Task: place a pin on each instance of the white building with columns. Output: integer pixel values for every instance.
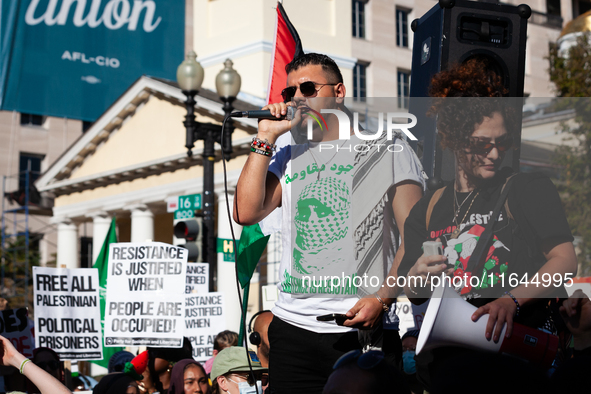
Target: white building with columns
(130, 162)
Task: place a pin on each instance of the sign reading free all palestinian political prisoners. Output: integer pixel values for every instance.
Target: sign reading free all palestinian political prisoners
(67, 312)
(145, 295)
(204, 319)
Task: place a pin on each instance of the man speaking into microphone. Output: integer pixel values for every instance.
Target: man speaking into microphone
(338, 207)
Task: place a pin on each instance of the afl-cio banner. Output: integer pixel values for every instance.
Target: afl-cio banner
(75, 58)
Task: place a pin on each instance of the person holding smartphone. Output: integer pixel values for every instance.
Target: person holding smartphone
(531, 237)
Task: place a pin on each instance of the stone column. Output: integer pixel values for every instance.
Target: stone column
(226, 274)
(67, 244)
(566, 11)
(142, 223)
(101, 222)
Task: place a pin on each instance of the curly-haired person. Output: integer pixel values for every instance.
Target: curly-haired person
(531, 237)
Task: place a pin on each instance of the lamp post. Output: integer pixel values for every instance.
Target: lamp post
(227, 85)
(190, 77)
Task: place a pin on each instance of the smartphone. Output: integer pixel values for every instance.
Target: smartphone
(431, 248)
(338, 317)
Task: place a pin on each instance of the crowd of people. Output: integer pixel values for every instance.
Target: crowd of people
(500, 225)
(237, 370)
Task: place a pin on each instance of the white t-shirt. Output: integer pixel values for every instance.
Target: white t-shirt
(317, 235)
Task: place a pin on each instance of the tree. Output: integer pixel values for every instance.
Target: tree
(571, 74)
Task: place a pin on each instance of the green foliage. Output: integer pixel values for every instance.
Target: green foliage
(14, 255)
(13, 258)
(571, 74)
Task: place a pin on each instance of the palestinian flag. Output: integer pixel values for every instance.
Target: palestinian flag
(286, 47)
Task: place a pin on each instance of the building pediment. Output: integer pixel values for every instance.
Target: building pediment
(140, 135)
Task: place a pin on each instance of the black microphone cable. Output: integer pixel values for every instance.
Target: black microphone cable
(229, 212)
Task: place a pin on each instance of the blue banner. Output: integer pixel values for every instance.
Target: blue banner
(74, 58)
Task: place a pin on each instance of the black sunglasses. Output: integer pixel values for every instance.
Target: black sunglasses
(480, 147)
(366, 360)
(307, 88)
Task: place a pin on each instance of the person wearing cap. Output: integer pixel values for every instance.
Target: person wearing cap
(231, 372)
(126, 381)
(118, 360)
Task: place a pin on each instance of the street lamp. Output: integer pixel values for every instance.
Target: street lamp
(227, 84)
(190, 77)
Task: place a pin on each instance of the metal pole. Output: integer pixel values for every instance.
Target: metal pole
(226, 140)
(27, 197)
(189, 122)
(4, 244)
(209, 238)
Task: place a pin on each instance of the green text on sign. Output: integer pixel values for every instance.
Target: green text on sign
(190, 201)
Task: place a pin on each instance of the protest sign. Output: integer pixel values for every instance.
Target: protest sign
(145, 295)
(197, 278)
(204, 319)
(67, 313)
(17, 328)
(411, 316)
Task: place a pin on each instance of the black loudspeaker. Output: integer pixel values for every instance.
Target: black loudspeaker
(452, 32)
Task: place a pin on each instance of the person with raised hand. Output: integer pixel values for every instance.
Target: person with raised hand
(47, 384)
(344, 200)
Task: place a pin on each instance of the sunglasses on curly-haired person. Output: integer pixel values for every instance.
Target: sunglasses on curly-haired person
(307, 88)
(483, 147)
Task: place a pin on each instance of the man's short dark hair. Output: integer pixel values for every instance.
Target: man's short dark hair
(316, 59)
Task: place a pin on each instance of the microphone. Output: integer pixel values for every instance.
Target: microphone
(263, 114)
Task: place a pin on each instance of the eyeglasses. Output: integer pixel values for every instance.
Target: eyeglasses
(482, 147)
(307, 88)
(366, 360)
(245, 377)
(264, 378)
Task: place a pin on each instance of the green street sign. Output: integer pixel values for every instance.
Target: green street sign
(190, 201)
(184, 214)
(226, 246)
